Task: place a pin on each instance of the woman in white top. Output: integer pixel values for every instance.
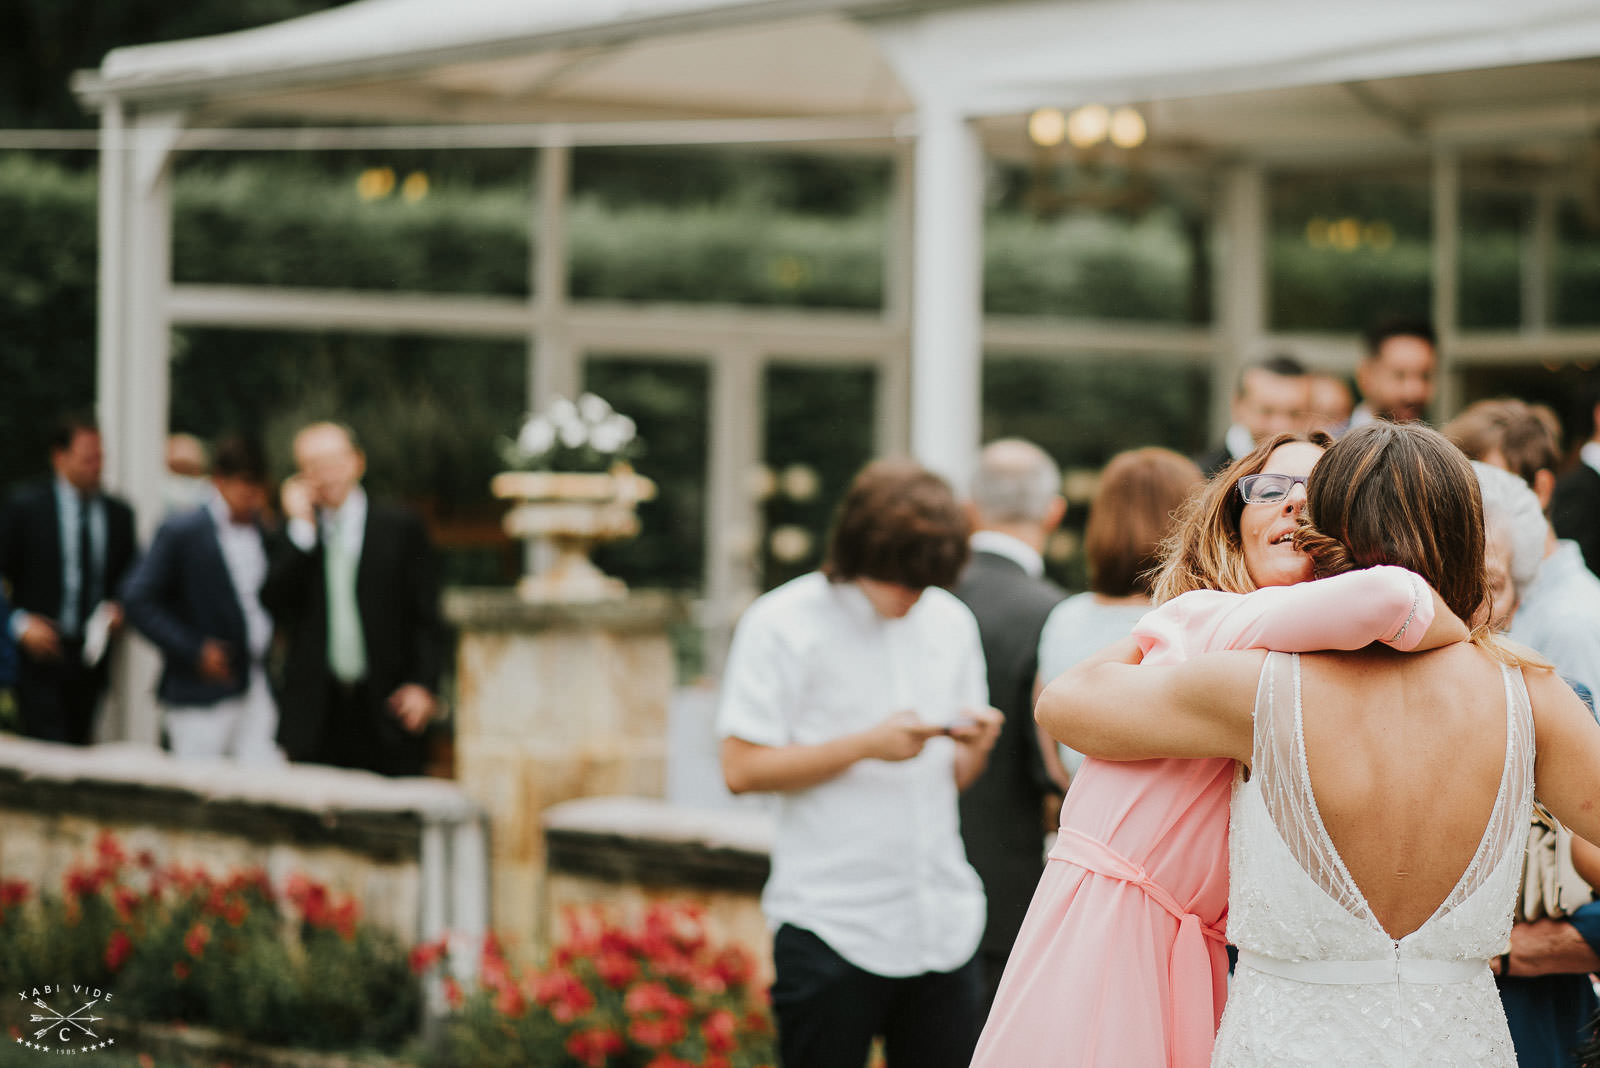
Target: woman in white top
(1377, 835)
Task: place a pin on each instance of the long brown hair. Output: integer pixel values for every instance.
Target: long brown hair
(1205, 551)
(1401, 494)
(1131, 516)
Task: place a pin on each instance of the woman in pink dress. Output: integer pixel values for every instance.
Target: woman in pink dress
(1120, 962)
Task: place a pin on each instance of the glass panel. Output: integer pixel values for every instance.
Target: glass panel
(429, 414)
(1576, 267)
(668, 401)
(1559, 385)
(1081, 242)
(411, 221)
(699, 225)
(1084, 410)
(820, 423)
(1494, 229)
(1346, 250)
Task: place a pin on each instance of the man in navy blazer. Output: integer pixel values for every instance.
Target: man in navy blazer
(65, 546)
(196, 595)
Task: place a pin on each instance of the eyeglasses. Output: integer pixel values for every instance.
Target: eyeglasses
(1268, 488)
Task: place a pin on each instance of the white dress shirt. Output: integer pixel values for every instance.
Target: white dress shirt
(246, 560)
(1023, 555)
(870, 861)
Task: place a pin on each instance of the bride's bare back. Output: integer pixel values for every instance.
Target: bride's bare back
(1406, 753)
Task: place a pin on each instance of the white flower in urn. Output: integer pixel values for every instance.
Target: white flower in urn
(586, 436)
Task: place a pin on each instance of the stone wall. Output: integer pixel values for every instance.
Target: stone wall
(411, 850)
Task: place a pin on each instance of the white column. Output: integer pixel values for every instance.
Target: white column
(1241, 285)
(733, 524)
(891, 432)
(1446, 277)
(553, 367)
(1538, 249)
(947, 290)
(133, 360)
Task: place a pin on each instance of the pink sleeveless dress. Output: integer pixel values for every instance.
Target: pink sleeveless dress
(1120, 962)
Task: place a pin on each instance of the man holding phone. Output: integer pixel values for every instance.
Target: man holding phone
(857, 694)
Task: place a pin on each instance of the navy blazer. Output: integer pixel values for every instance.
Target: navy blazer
(179, 595)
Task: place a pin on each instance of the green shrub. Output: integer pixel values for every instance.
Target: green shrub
(297, 967)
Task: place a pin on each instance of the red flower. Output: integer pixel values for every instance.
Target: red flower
(654, 998)
(452, 992)
(616, 970)
(426, 955)
(195, 941)
(117, 949)
(656, 1032)
(180, 969)
(109, 851)
(563, 993)
(509, 1001)
(667, 1060)
(13, 892)
(720, 1030)
(593, 1045)
(733, 965)
(125, 900)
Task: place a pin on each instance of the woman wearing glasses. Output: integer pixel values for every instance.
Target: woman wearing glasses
(1379, 816)
(1121, 958)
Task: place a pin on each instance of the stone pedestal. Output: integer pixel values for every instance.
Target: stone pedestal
(555, 702)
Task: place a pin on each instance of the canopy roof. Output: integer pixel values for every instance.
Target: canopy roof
(1251, 77)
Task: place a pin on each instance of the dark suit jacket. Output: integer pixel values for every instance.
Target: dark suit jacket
(179, 595)
(397, 594)
(1002, 813)
(1575, 511)
(30, 548)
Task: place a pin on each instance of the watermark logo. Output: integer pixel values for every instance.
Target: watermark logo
(63, 1019)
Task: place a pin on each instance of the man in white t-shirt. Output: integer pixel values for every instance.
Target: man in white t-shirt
(857, 694)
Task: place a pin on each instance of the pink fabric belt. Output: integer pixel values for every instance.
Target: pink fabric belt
(1194, 1013)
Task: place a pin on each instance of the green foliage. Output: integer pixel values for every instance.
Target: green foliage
(178, 944)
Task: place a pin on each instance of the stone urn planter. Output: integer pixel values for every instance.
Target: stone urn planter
(572, 513)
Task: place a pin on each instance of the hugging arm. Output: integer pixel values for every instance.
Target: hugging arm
(1349, 611)
(1110, 706)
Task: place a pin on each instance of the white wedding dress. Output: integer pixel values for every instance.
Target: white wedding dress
(1319, 982)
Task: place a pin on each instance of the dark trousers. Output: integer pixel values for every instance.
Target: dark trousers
(57, 698)
(828, 1010)
(359, 731)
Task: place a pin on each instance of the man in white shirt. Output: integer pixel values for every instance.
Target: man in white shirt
(1271, 399)
(196, 595)
(857, 694)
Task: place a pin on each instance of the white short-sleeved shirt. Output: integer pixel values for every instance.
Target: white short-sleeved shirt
(1559, 615)
(870, 861)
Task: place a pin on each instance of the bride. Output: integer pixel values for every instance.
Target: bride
(1377, 836)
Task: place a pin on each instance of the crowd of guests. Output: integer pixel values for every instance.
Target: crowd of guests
(300, 628)
(865, 699)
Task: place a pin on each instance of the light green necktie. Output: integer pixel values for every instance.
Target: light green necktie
(347, 646)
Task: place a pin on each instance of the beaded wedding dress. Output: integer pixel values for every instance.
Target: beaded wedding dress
(1319, 981)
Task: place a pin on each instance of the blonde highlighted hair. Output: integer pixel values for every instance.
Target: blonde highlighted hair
(1205, 551)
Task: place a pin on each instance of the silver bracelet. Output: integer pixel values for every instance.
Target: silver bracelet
(1416, 596)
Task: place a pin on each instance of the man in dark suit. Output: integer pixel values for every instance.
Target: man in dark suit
(1272, 397)
(352, 585)
(1575, 504)
(64, 548)
(196, 595)
(1015, 505)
